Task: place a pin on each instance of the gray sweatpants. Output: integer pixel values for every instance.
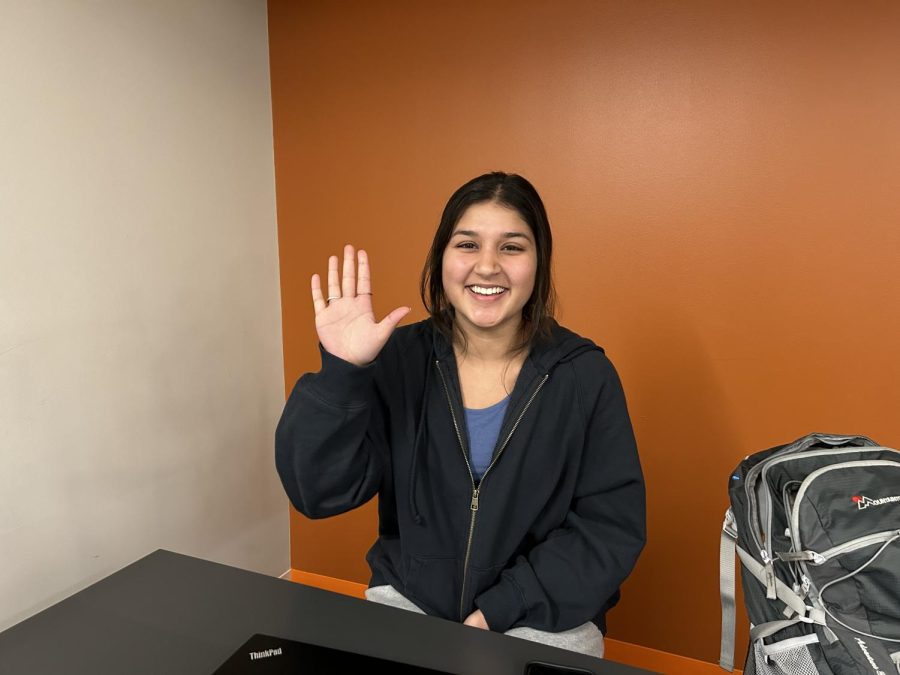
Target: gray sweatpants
(586, 639)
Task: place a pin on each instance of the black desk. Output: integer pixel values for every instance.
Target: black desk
(170, 613)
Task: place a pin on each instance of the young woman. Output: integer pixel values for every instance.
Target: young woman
(499, 444)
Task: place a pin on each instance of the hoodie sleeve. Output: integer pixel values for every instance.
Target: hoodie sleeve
(568, 578)
(330, 447)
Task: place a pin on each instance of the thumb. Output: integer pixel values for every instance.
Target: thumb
(391, 320)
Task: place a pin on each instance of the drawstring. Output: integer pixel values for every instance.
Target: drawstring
(421, 438)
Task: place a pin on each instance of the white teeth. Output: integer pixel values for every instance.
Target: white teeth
(481, 290)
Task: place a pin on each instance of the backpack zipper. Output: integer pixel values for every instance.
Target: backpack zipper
(476, 490)
(853, 545)
(756, 533)
(851, 575)
(799, 455)
(801, 493)
(750, 484)
(783, 456)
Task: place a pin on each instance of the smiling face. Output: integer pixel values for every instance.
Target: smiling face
(489, 268)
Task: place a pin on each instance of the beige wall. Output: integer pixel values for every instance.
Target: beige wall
(722, 180)
(140, 348)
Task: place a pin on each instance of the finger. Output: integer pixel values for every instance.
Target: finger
(334, 288)
(348, 283)
(364, 280)
(318, 301)
(389, 323)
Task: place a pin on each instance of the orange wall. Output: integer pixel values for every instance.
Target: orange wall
(722, 179)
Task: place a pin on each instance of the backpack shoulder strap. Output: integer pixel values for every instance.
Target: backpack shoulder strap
(727, 546)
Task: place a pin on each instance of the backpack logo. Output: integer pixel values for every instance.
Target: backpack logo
(865, 651)
(863, 502)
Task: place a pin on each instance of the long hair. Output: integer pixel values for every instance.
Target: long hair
(511, 191)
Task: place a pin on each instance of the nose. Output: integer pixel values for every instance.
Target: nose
(488, 263)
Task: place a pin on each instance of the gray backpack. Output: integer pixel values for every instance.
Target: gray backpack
(816, 525)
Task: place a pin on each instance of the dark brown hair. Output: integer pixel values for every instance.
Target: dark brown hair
(513, 192)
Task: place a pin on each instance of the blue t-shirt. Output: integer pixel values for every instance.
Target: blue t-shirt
(484, 428)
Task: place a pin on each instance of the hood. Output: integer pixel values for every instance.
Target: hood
(563, 346)
(546, 353)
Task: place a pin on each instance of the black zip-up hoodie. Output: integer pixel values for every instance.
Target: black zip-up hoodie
(547, 536)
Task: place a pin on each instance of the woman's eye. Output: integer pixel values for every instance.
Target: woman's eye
(512, 247)
(466, 244)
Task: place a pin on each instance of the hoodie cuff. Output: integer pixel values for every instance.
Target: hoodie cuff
(502, 604)
(342, 381)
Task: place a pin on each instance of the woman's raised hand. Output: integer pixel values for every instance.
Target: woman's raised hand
(345, 321)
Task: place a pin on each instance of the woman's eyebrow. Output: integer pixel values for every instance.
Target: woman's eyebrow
(506, 235)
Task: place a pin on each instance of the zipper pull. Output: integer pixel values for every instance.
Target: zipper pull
(474, 505)
(769, 570)
(771, 592)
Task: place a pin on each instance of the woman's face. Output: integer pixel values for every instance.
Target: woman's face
(489, 267)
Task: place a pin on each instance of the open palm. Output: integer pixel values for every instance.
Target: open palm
(345, 321)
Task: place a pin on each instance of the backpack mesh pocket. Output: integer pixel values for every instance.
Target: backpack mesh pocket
(786, 660)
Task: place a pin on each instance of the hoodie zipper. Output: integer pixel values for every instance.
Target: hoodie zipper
(476, 490)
